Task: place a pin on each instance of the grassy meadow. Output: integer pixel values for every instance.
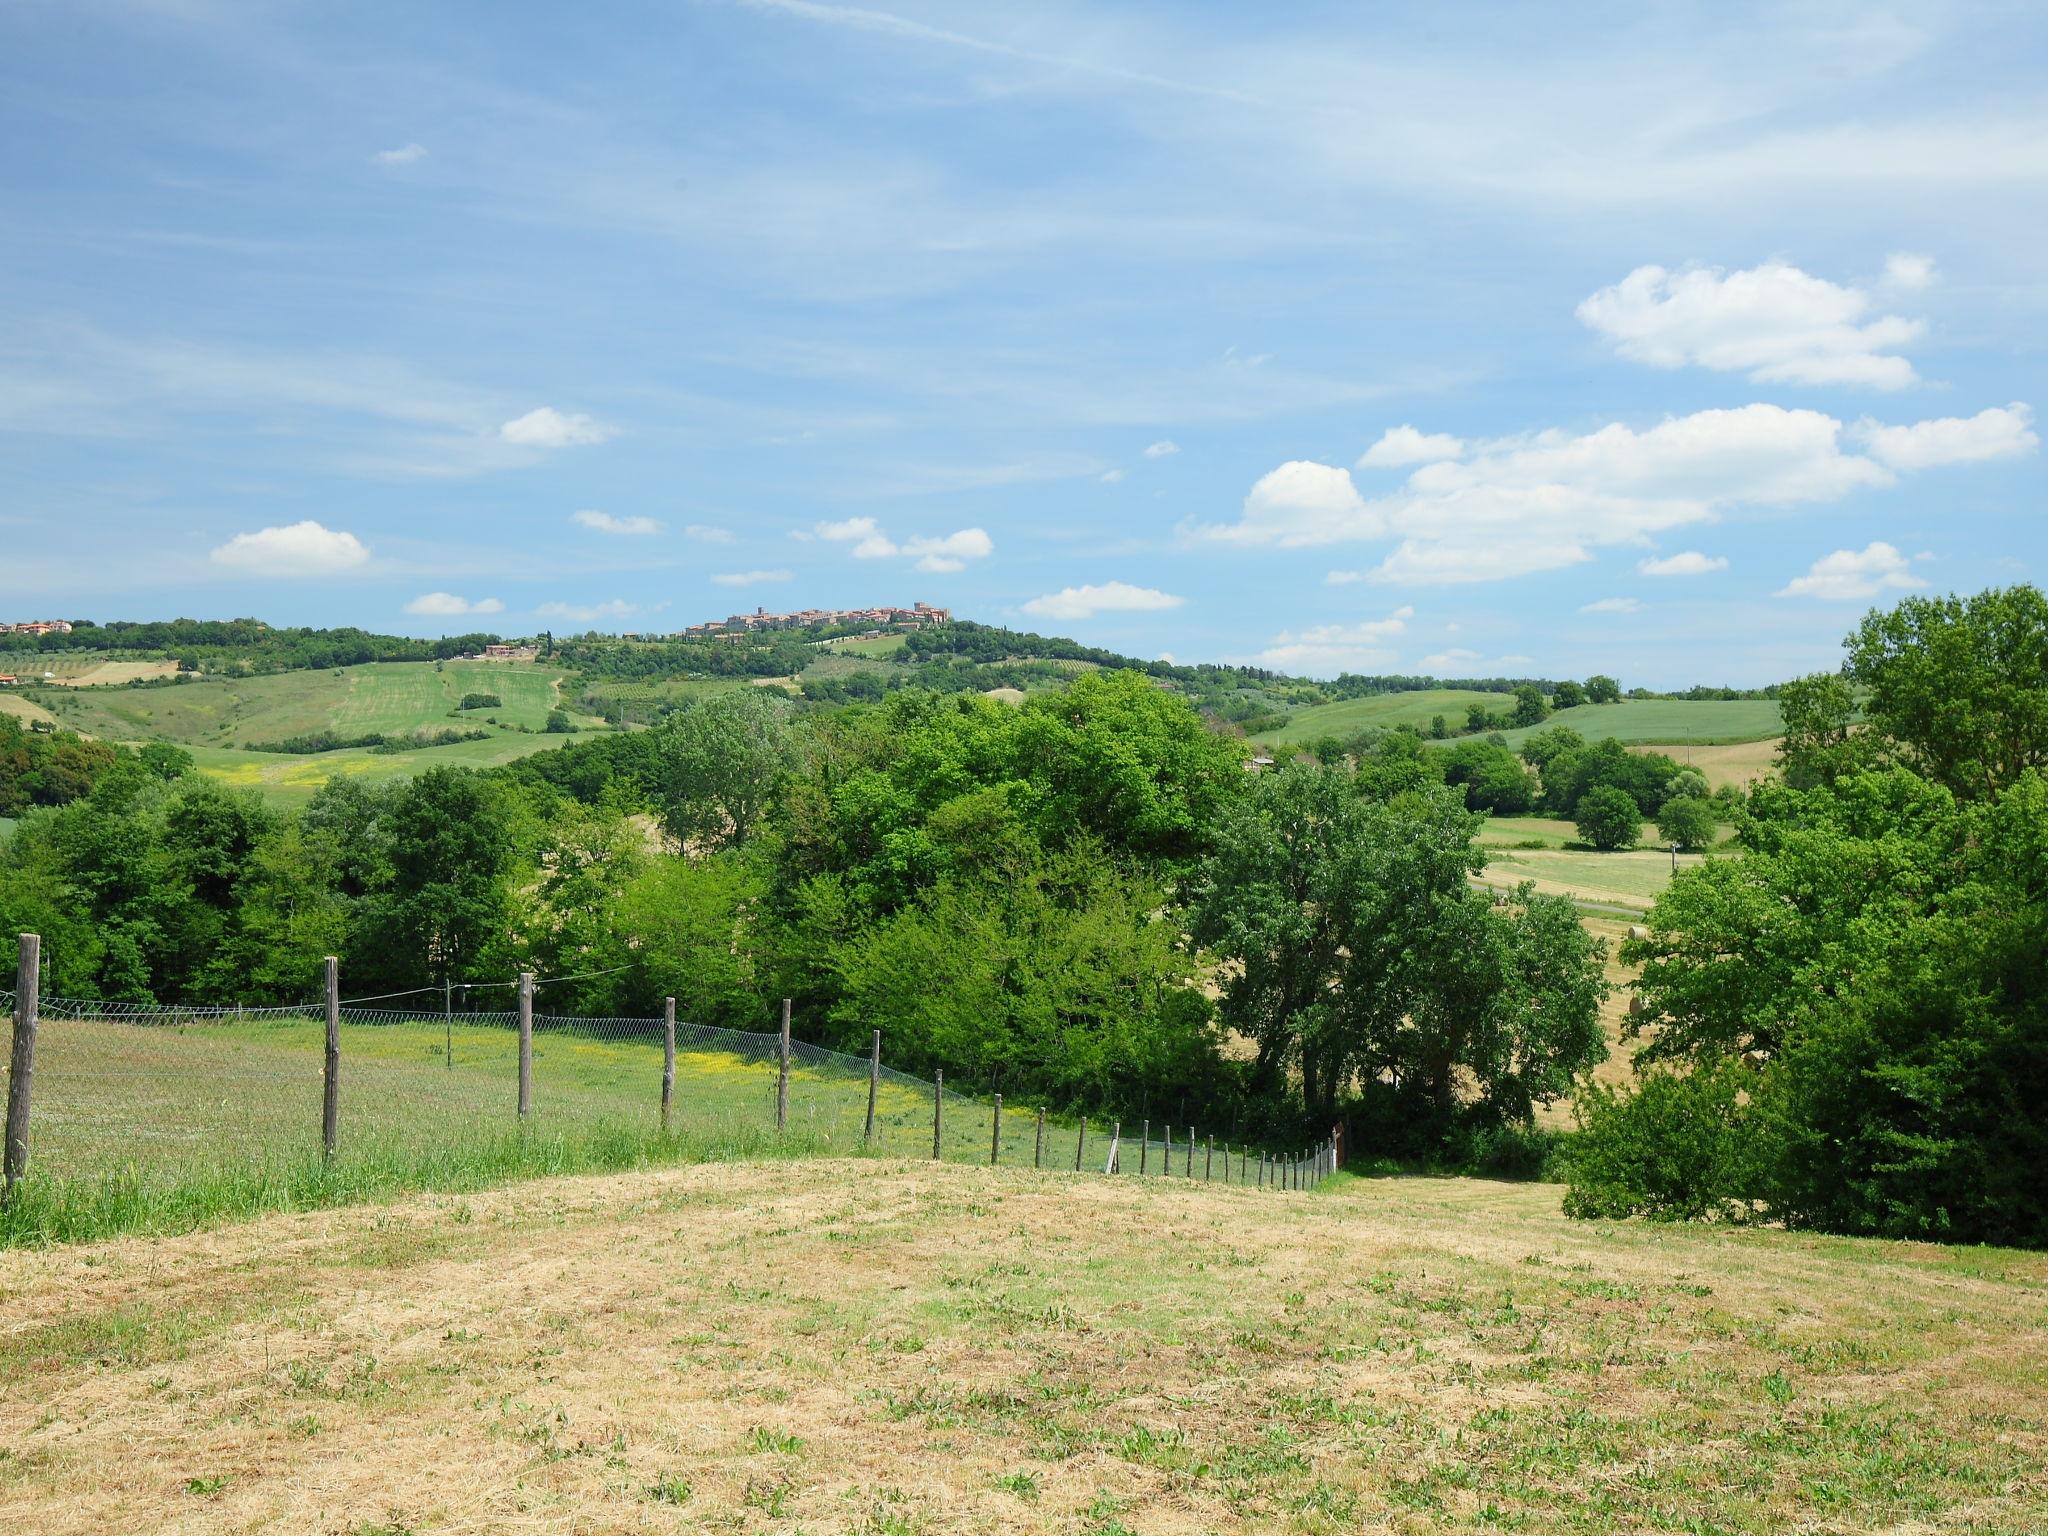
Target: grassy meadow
(887, 1348)
(160, 1127)
(1381, 710)
(1549, 852)
(1700, 722)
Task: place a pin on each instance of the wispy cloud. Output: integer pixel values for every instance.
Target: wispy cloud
(604, 522)
(405, 154)
(1109, 597)
(546, 427)
(749, 578)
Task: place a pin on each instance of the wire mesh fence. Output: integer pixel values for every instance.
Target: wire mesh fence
(160, 1102)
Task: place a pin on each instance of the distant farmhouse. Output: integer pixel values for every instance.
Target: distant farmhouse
(38, 627)
(916, 616)
(509, 653)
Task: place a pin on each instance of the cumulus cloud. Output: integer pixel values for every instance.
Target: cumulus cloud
(1909, 270)
(1773, 322)
(949, 552)
(405, 154)
(749, 578)
(448, 605)
(2002, 432)
(1403, 445)
(1848, 575)
(1541, 501)
(704, 533)
(294, 550)
(1326, 649)
(1109, 597)
(587, 613)
(547, 427)
(1613, 605)
(1165, 448)
(1686, 563)
(604, 522)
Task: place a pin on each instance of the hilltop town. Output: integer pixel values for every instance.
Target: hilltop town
(916, 616)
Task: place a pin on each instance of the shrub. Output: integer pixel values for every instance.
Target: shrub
(481, 701)
(559, 723)
(1609, 818)
(1679, 1147)
(1687, 822)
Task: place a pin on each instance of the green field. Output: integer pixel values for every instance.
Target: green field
(288, 781)
(877, 648)
(162, 1125)
(1704, 722)
(390, 697)
(1379, 710)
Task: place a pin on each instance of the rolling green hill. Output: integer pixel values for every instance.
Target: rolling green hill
(1701, 722)
(1379, 709)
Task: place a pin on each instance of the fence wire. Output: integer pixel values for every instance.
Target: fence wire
(167, 1095)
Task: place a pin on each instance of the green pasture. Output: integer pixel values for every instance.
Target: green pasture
(390, 697)
(1380, 710)
(1698, 722)
(876, 649)
(288, 781)
(163, 1125)
(1549, 852)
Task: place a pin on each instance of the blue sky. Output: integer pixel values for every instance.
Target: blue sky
(1663, 341)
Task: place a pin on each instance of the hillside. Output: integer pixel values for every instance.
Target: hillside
(886, 1347)
(1345, 717)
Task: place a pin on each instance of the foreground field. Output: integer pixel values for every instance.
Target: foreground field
(885, 1347)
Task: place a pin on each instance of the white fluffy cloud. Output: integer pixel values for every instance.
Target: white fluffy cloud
(547, 427)
(749, 578)
(294, 550)
(587, 613)
(1688, 562)
(1909, 270)
(704, 533)
(1541, 501)
(1404, 445)
(1165, 448)
(604, 522)
(1327, 649)
(950, 552)
(448, 605)
(1109, 597)
(1851, 574)
(1773, 322)
(1613, 605)
(2002, 432)
(405, 154)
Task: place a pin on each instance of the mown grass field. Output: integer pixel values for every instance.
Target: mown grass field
(1563, 865)
(288, 781)
(391, 697)
(1379, 710)
(82, 669)
(161, 1127)
(24, 709)
(893, 1349)
(1703, 722)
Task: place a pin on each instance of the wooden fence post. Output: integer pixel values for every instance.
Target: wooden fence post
(1167, 1161)
(330, 1093)
(1038, 1147)
(668, 1060)
(867, 1135)
(1190, 1170)
(782, 1076)
(525, 1044)
(938, 1100)
(995, 1133)
(1081, 1144)
(1116, 1143)
(448, 1021)
(21, 1068)
(1144, 1143)
(1337, 1147)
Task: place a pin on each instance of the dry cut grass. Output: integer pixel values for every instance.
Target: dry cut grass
(888, 1347)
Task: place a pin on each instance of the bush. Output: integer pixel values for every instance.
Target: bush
(1689, 823)
(481, 701)
(1609, 818)
(559, 723)
(1677, 1148)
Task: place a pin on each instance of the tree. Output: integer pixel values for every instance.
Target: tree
(1602, 689)
(1530, 709)
(720, 760)
(1437, 729)
(1569, 695)
(1687, 821)
(1609, 818)
(1819, 744)
(442, 900)
(1960, 685)
(1477, 717)
(1493, 777)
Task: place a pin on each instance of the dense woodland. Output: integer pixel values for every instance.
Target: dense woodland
(1090, 901)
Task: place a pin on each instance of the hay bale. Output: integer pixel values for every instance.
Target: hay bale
(1638, 931)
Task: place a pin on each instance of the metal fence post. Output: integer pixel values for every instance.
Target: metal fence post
(1038, 1147)
(867, 1135)
(995, 1133)
(938, 1106)
(330, 1095)
(448, 1022)
(525, 1044)
(782, 1075)
(21, 1070)
(668, 1060)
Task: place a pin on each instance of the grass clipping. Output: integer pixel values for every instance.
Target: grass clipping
(893, 1347)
